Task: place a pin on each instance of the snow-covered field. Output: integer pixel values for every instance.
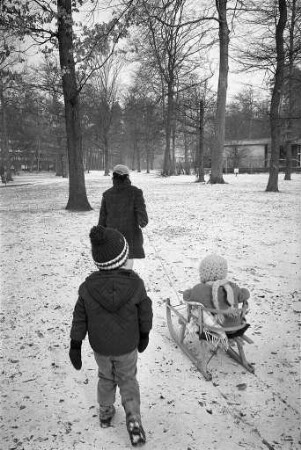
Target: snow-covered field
(45, 255)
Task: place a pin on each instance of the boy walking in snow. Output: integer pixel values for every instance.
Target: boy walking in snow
(115, 311)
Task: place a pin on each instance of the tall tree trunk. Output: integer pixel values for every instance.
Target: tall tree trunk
(288, 160)
(138, 159)
(38, 139)
(5, 162)
(272, 185)
(167, 169)
(134, 153)
(186, 162)
(60, 162)
(200, 156)
(147, 157)
(173, 146)
(106, 154)
(77, 190)
(220, 116)
(38, 153)
(288, 146)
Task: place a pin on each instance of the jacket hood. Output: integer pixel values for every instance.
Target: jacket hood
(110, 289)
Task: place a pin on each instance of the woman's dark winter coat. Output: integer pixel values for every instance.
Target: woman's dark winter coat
(123, 208)
(114, 309)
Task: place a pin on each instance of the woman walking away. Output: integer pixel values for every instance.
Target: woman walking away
(123, 208)
(115, 311)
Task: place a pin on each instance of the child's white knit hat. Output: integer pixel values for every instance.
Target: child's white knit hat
(213, 267)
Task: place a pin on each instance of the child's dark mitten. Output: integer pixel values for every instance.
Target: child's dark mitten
(75, 354)
(143, 342)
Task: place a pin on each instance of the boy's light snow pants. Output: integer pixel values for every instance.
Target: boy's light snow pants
(118, 371)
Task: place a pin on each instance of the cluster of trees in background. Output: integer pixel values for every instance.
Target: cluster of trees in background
(71, 109)
(129, 129)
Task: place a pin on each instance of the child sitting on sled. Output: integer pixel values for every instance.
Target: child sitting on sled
(217, 293)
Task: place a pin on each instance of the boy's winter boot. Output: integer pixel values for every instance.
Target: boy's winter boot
(106, 413)
(105, 423)
(136, 432)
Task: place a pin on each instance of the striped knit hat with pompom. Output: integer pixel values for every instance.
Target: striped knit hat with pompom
(110, 249)
(213, 267)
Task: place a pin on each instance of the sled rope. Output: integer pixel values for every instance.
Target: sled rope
(160, 259)
(214, 339)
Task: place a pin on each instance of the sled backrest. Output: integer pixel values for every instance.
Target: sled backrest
(216, 320)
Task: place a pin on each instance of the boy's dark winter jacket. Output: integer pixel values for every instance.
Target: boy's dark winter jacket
(114, 309)
(123, 208)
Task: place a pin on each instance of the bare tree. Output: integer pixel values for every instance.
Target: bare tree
(35, 18)
(8, 57)
(274, 48)
(193, 107)
(235, 156)
(48, 76)
(276, 97)
(220, 115)
(77, 190)
(293, 56)
(247, 116)
(173, 47)
(51, 22)
(106, 71)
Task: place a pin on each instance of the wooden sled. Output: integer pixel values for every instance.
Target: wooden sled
(193, 319)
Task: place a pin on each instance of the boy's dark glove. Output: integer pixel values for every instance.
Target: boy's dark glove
(75, 354)
(143, 342)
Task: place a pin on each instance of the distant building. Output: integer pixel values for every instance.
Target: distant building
(254, 154)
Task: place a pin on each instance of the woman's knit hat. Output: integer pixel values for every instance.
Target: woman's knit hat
(213, 267)
(121, 169)
(110, 249)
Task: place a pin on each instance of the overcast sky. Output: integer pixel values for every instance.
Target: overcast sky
(236, 81)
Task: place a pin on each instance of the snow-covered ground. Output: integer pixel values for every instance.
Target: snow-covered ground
(45, 255)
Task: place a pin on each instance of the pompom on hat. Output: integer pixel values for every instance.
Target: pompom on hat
(212, 268)
(121, 169)
(110, 249)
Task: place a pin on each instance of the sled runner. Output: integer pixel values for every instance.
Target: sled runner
(192, 325)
